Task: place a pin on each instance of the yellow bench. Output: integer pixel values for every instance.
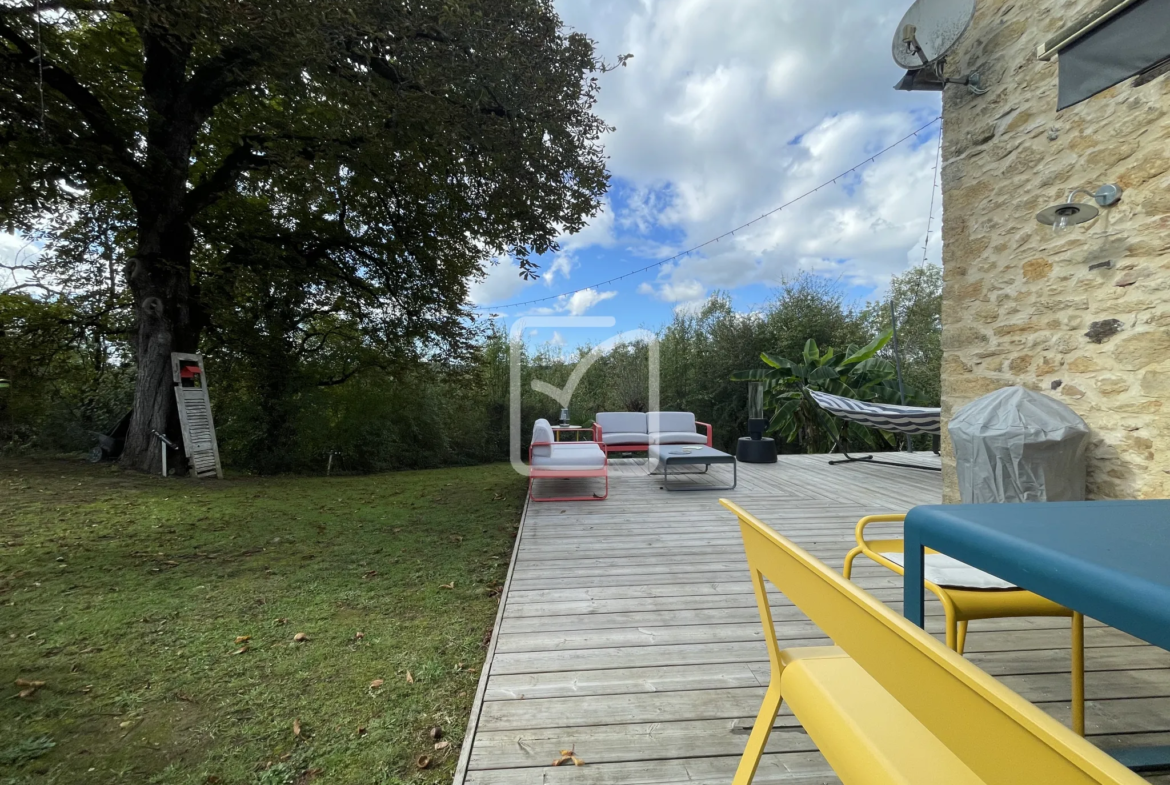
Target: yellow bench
(889, 703)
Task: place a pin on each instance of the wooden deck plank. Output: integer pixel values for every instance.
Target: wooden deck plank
(628, 630)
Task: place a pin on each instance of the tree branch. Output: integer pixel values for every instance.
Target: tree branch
(105, 130)
(214, 185)
(345, 377)
(54, 5)
(218, 79)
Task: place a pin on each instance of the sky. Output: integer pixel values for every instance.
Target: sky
(726, 111)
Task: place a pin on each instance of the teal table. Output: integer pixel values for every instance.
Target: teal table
(1108, 560)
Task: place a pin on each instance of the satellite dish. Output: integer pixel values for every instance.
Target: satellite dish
(924, 38)
(929, 30)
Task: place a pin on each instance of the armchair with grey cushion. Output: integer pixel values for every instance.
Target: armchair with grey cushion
(552, 460)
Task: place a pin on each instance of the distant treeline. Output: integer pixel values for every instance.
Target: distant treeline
(276, 411)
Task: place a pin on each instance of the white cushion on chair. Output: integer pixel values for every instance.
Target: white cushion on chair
(678, 437)
(942, 570)
(571, 457)
(623, 438)
(541, 432)
(671, 422)
(622, 422)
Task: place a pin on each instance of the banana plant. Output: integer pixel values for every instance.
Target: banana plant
(857, 373)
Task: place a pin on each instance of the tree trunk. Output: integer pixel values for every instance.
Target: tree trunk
(160, 279)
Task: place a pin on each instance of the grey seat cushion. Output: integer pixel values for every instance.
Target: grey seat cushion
(678, 437)
(942, 570)
(571, 457)
(623, 438)
(671, 422)
(621, 422)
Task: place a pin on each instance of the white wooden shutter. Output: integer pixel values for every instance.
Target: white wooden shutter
(195, 415)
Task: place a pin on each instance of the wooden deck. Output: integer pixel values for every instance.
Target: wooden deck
(628, 632)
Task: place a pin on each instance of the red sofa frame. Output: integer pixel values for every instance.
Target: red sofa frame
(608, 448)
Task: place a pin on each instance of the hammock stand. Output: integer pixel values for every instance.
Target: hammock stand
(909, 420)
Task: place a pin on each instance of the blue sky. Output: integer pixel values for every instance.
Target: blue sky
(726, 111)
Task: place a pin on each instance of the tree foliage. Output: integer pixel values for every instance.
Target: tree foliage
(306, 179)
(917, 298)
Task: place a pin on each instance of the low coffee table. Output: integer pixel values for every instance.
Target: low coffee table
(668, 455)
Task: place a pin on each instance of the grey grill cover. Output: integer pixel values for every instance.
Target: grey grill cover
(1016, 445)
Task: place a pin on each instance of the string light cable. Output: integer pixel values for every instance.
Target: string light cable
(934, 185)
(729, 232)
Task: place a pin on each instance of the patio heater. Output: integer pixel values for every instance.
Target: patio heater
(756, 447)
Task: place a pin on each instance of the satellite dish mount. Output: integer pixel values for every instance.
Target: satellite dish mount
(925, 36)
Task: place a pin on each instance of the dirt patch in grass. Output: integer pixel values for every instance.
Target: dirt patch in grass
(161, 616)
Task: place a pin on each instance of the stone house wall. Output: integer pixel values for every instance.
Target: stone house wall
(1021, 304)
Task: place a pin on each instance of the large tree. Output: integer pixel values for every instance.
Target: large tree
(356, 161)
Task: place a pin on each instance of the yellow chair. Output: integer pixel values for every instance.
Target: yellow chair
(961, 605)
(889, 704)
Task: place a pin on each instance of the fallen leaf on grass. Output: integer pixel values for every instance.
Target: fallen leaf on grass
(27, 683)
(450, 585)
(26, 693)
(359, 636)
(297, 728)
(455, 538)
(369, 573)
(423, 761)
(409, 678)
(567, 756)
(243, 638)
(241, 650)
(376, 683)
(442, 745)
(300, 637)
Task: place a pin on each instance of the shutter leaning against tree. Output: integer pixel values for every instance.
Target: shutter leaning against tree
(195, 414)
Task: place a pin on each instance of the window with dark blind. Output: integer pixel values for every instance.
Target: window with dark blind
(1118, 40)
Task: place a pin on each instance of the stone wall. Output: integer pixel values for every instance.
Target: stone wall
(1021, 304)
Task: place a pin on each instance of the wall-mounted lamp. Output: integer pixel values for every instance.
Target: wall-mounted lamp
(1070, 213)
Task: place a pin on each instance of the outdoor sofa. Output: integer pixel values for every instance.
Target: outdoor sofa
(549, 459)
(636, 431)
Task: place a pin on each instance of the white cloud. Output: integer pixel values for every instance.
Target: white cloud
(500, 283)
(562, 265)
(557, 339)
(730, 109)
(673, 291)
(580, 302)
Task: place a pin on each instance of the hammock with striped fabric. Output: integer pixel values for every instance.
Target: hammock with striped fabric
(883, 416)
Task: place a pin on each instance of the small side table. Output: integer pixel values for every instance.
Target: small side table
(575, 430)
(750, 450)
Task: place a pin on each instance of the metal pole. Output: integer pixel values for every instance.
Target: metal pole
(163, 446)
(898, 363)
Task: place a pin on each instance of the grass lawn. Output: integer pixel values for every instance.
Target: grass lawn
(161, 617)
